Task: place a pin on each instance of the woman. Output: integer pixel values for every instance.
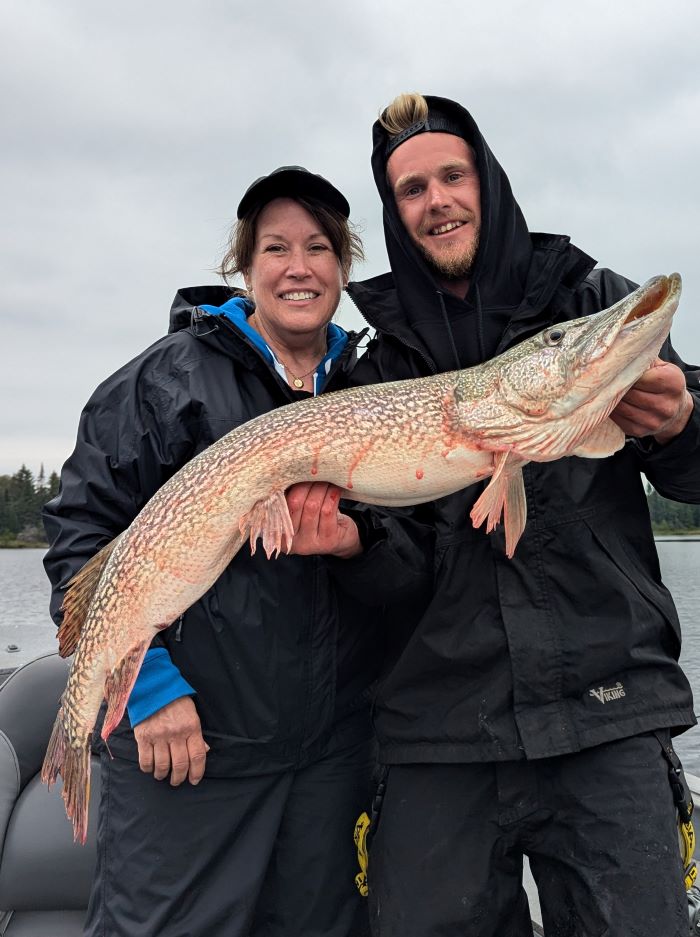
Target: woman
(253, 705)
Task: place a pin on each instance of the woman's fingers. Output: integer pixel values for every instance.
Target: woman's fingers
(170, 743)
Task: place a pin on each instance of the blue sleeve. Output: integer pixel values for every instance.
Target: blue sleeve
(159, 682)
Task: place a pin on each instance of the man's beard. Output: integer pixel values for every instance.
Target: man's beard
(454, 264)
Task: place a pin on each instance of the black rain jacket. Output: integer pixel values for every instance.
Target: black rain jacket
(575, 641)
(282, 653)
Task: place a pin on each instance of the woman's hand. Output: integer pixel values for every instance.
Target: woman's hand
(170, 742)
(319, 527)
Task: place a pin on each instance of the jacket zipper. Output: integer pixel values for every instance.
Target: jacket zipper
(400, 338)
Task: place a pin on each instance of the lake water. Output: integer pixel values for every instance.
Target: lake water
(25, 622)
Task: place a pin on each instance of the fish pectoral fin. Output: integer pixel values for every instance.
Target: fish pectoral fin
(269, 520)
(119, 684)
(504, 495)
(540, 441)
(605, 439)
(76, 601)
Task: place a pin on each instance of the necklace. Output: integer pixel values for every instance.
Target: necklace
(297, 379)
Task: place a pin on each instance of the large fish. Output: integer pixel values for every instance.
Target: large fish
(398, 443)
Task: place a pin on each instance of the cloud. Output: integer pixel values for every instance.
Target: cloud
(133, 129)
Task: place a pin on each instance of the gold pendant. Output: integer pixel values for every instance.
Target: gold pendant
(298, 382)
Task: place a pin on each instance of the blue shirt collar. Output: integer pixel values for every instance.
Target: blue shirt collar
(237, 309)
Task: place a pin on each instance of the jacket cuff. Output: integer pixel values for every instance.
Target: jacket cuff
(159, 682)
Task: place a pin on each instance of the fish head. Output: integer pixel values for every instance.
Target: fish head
(600, 356)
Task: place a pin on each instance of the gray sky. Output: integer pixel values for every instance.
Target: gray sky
(130, 131)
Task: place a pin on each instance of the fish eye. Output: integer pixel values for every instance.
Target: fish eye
(554, 336)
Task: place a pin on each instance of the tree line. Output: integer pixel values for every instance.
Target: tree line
(669, 517)
(22, 497)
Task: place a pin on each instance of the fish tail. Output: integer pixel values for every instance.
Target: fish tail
(72, 762)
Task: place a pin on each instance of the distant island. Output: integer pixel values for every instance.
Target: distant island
(22, 497)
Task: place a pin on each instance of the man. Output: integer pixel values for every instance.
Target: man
(495, 728)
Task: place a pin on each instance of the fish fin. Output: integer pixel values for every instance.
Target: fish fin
(514, 511)
(76, 601)
(549, 440)
(605, 439)
(504, 495)
(73, 764)
(269, 519)
(539, 441)
(119, 684)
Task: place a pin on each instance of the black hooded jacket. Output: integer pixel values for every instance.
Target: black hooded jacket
(282, 653)
(574, 641)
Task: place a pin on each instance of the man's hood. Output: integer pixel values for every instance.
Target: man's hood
(451, 332)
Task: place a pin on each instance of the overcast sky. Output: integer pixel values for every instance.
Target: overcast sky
(131, 129)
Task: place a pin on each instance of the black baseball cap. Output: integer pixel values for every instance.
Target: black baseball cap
(437, 121)
(290, 181)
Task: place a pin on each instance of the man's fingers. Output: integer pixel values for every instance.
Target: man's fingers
(662, 377)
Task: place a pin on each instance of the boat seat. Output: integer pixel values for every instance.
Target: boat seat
(44, 876)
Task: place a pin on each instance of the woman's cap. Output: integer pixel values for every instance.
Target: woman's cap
(291, 181)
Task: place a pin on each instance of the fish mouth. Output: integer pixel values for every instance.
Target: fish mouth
(659, 290)
(638, 320)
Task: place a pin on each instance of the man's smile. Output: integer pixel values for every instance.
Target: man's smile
(445, 228)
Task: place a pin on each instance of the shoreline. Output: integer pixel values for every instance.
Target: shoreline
(660, 535)
(22, 545)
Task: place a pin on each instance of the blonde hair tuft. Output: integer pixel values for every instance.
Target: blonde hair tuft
(404, 111)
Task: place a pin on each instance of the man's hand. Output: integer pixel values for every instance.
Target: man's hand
(319, 527)
(170, 742)
(658, 405)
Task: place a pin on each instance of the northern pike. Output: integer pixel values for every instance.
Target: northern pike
(398, 443)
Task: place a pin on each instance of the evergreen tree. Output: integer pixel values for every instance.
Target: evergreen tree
(54, 483)
(22, 493)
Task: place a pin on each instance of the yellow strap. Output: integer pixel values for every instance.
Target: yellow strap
(686, 834)
(686, 837)
(360, 837)
(687, 841)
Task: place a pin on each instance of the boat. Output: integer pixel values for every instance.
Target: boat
(45, 877)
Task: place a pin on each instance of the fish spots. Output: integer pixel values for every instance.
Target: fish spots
(314, 462)
(419, 474)
(359, 456)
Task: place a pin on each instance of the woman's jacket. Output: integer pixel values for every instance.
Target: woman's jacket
(282, 653)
